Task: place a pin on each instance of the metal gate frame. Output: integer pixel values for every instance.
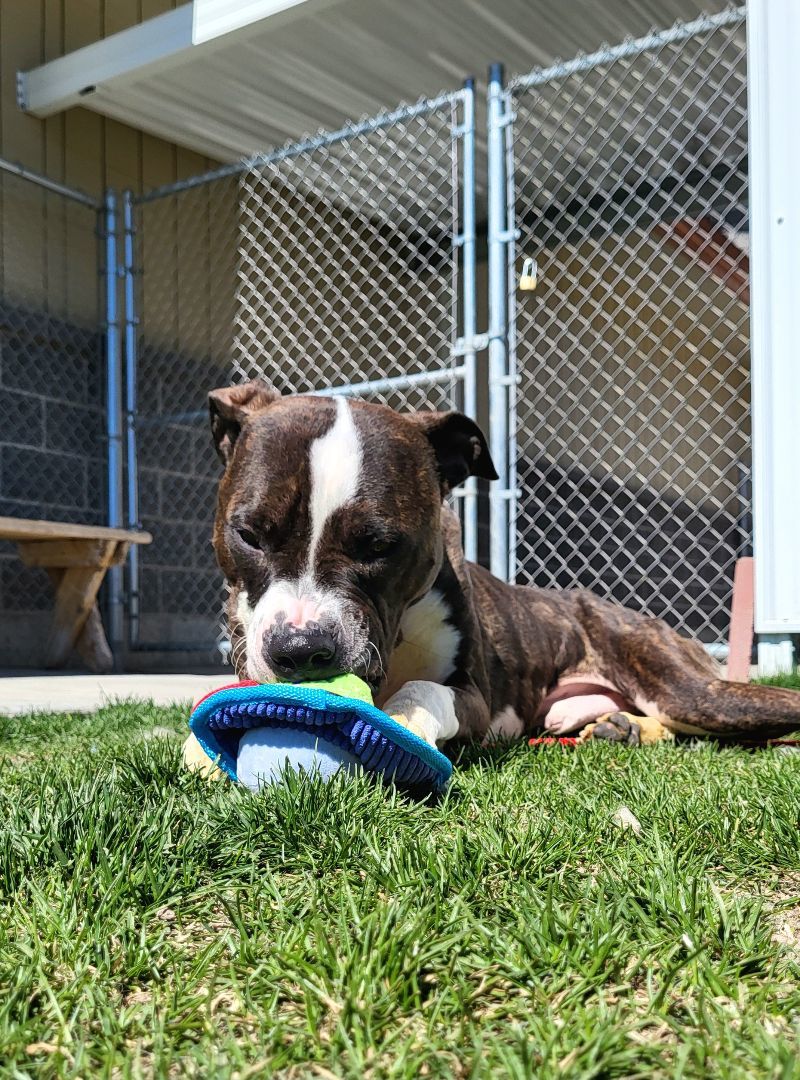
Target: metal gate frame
(462, 368)
(501, 241)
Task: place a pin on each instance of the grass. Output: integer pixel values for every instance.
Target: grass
(153, 925)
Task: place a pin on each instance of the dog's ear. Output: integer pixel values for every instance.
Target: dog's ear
(459, 445)
(230, 406)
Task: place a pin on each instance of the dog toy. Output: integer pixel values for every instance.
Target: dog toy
(253, 732)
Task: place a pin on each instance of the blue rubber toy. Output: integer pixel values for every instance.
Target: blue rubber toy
(255, 731)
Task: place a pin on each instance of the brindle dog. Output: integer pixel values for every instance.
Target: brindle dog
(331, 532)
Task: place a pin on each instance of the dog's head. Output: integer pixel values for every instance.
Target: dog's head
(328, 524)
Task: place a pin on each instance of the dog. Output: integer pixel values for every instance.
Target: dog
(341, 555)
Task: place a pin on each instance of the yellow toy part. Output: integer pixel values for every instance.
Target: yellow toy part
(197, 760)
(628, 729)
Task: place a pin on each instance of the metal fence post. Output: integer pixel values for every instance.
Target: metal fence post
(113, 419)
(512, 378)
(773, 34)
(131, 459)
(469, 313)
(498, 327)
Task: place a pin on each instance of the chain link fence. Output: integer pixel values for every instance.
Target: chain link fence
(52, 442)
(633, 420)
(331, 265)
(348, 272)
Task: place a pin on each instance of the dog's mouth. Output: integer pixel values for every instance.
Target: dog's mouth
(369, 666)
(357, 636)
(372, 675)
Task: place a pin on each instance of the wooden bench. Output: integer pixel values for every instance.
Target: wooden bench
(76, 557)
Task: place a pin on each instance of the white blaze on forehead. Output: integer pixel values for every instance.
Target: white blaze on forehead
(335, 469)
(335, 460)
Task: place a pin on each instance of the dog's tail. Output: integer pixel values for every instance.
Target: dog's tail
(724, 708)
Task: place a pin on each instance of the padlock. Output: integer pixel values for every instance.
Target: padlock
(529, 275)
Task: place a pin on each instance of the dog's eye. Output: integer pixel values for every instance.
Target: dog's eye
(248, 538)
(368, 549)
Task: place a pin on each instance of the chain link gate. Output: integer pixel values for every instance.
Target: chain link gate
(628, 425)
(341, 264)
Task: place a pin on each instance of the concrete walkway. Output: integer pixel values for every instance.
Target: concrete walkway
(62, 692)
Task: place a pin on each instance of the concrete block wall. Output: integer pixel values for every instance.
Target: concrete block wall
(52, 449)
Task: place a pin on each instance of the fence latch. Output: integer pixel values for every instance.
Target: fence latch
(529, 276)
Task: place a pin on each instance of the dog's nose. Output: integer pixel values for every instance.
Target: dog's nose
(307, 653)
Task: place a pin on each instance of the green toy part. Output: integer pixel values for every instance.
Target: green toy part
(344, 685)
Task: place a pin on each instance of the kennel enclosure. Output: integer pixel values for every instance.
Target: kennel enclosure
(383, 260)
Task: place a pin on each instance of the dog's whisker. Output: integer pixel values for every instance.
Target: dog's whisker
(238, 652)
(374, 648)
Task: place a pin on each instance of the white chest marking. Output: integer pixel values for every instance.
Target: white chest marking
(335, 461)
(429, 647)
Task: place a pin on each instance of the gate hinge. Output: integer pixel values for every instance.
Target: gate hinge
(469, 345)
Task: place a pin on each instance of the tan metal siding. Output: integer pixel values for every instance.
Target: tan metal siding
(47, 252)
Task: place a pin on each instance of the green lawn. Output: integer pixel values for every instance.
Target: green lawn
(151, 924)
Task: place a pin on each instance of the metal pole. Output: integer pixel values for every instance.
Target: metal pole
(498, 288)
(511, 341)
(131, 456)
(681, 31)
(377, 386)
(24, 173)
(113, 421)
(469, 312)
(773, 39)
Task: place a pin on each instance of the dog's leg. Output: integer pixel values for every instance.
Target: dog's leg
(716, 707)
(672, 678)
(690, 700)
(436, 713)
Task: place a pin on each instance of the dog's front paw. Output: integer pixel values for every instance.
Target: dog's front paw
(426, 709)
(419, 723)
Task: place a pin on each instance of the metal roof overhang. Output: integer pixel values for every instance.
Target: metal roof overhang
(232, 77)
